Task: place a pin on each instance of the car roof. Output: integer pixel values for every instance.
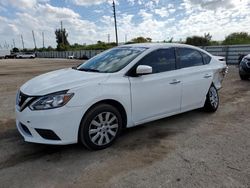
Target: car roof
(163, 45)
(158, 45)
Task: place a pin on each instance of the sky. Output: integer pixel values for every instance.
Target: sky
(88, 21)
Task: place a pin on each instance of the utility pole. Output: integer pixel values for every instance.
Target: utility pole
(116, 36)
(43, 38)
(62, 32)
(6, 45)
(108, 38)
(34, 38)
(126, 36)
(22, 41)
(14, 44)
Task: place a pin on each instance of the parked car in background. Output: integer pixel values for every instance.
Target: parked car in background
(4, 53)
(119, 88)
(11, 56)
(83, 57)
(71, 56)
(244, 68)
(240, 57)
(26, 55)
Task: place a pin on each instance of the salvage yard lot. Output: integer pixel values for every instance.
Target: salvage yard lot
(193, 149)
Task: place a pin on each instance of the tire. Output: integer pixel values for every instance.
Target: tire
(243, 77)
(105, 123)
(212, 100)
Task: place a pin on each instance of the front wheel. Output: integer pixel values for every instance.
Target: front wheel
(212, 100)
(100, 127)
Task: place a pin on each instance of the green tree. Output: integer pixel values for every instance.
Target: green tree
(208, 36)
(50, 48)
(199, 40)
(237, 38)
(15, 50)
(140, 40)
(62, 39)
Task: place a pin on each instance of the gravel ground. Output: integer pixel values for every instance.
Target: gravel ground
(193, 149)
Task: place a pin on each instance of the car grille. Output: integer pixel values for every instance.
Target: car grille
(23, 100)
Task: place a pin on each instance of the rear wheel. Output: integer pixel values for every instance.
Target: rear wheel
(100, 127)
(212, 100)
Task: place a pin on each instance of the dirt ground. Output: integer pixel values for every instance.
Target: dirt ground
(193, 149)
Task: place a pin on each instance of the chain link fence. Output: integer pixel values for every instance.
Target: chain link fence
(231, 53)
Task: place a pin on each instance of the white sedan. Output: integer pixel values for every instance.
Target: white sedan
(26, 55)
(119, 88)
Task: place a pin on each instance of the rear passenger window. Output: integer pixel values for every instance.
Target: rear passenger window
(189, 57)
(160, 60)
(206, 58)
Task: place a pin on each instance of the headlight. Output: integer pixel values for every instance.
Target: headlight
(51, 101)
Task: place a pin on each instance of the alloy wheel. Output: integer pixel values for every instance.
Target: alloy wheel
(213, 96)
(103, 128)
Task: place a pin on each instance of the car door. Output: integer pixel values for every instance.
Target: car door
(158, 94)
(196, 78)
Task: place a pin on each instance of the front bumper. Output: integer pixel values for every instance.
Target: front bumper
(42, 126)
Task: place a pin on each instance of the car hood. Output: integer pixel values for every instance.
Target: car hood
(61, 80)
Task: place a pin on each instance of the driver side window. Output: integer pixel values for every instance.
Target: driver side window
(161, 60)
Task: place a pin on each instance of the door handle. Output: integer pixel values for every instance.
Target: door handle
(174, 81)
(207, 76)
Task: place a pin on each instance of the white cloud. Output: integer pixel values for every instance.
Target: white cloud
(22, 4)
(216, 4)
(46, 18)
(170, 5)
(163, 12)
(192, 17)
(57, 12)
(219, 22)
(91, 2)
(145, 15)
(172, 10)
(132, 2)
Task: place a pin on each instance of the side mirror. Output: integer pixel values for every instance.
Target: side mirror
(144, 69)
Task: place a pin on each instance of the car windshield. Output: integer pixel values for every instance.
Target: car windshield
(112, 60)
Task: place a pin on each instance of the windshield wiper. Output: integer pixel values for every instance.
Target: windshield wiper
(88, 70)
